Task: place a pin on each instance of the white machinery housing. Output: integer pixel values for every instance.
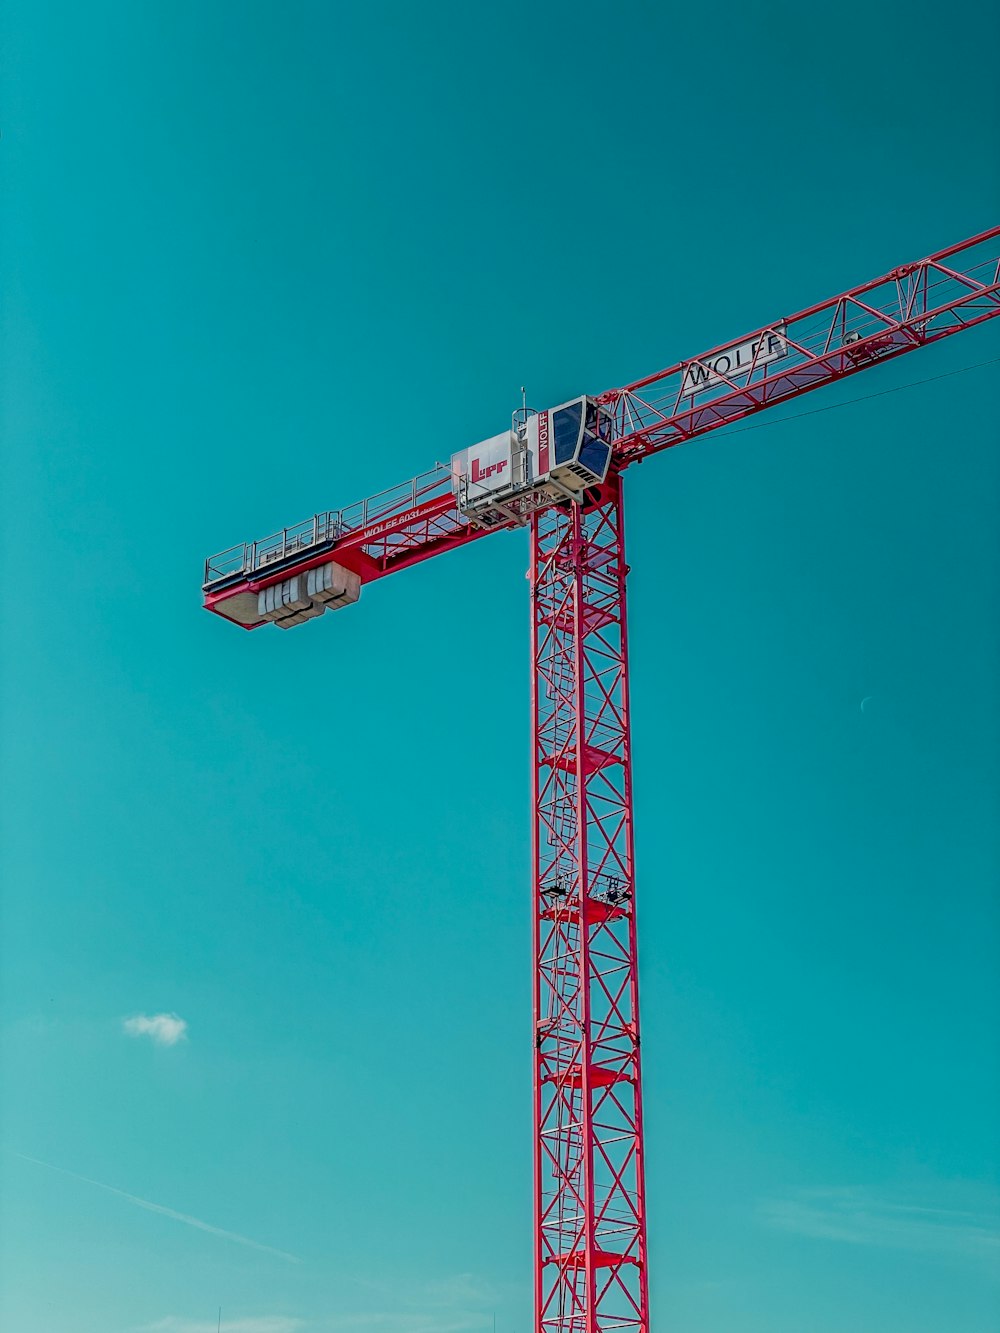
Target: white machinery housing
(559, 453)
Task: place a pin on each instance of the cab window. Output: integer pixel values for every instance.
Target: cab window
(566, 431)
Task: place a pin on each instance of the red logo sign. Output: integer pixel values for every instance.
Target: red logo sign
(543, 442)
(483, 473)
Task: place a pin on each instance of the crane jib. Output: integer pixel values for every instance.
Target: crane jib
(564, 454)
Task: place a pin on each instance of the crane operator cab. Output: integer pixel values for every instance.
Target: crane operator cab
(545, 456)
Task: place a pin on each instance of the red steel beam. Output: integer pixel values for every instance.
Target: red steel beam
(879, 320)
(911, 307)
(590, 1209)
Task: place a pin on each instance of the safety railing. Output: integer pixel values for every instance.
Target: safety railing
(329, 526)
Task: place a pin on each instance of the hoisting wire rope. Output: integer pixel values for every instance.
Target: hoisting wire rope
(850, 402)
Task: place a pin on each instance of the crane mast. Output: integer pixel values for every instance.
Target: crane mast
(590, 1234)
(591, 1269)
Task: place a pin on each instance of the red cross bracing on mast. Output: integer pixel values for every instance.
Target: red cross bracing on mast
(558, 472)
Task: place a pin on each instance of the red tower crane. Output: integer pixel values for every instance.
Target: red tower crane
(558, 472)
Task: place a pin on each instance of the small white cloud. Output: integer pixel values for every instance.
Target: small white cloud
(859, 1217)
(452, 1304)
(259, 1324)
(164, 1029)
(398, 1321)
(462, 1289)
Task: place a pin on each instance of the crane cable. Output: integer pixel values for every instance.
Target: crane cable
(882, 393)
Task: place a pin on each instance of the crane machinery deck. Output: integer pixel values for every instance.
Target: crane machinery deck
(558, 472)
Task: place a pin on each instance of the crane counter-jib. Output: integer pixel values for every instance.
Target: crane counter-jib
(563, 455)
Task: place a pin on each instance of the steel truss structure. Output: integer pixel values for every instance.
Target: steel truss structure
(911, 307)
(590, 1234)
(591, 1271)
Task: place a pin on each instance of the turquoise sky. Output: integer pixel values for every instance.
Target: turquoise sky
(265, 258)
